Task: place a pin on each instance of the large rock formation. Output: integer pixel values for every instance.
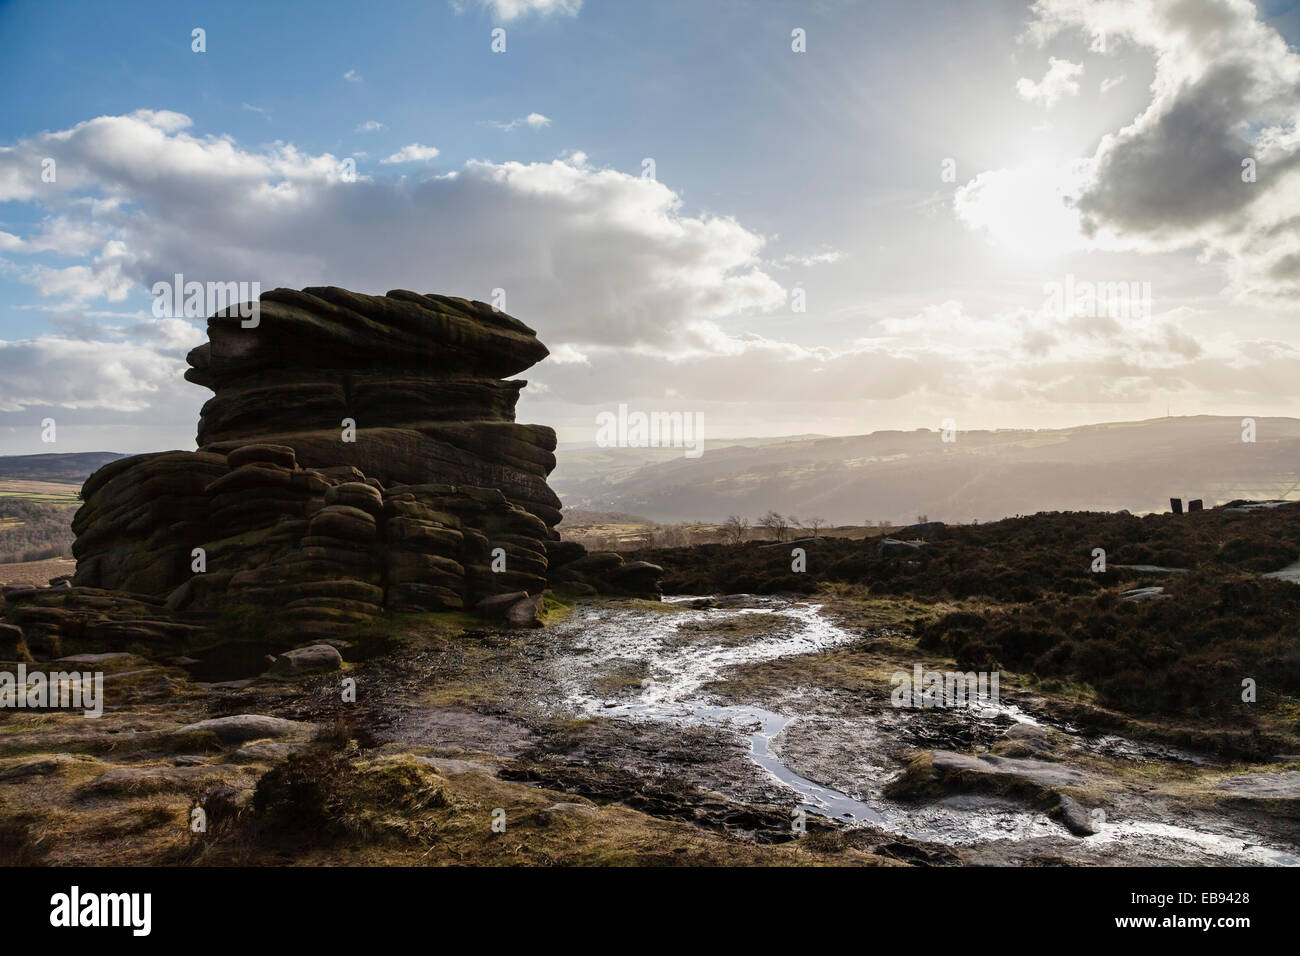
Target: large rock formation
(419, 375)
(359, 453)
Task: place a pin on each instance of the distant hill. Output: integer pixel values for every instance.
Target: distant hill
(897, 476)
(72, 468)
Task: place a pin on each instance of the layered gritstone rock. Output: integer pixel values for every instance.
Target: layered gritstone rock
(359, 454)
(420, 376)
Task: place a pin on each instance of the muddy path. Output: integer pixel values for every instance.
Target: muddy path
(770, 703)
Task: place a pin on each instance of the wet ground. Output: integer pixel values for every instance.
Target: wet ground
(665, 692)
(735, 729)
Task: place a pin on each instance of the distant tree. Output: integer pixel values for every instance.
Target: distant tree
(734, 528)
(814, 524)
(777, 523)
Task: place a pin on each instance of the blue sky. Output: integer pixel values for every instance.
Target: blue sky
(777, 171)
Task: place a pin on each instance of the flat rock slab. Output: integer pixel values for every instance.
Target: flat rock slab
(1041, 772)
(93, 658)
(38, 768)
(265, 751)
(241, 728)
(1279, 785)
(141, 780)
(446, 765)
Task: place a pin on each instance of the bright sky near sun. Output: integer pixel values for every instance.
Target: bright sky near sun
(849, 228)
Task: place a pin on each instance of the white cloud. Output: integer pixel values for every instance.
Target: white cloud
(52, 371)
(369, 126)
(565, 354)
(825, 257)
(587, 255)
(352, 76)
(1226, 91)
(533, 120)
(507, 10)
(1060, 80)
(1110, 82)
(415, 153)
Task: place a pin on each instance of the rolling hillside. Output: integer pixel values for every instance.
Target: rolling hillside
(896, 476)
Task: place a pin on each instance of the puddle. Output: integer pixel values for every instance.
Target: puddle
(682, 650)
(1290, 573)
(1161, 836)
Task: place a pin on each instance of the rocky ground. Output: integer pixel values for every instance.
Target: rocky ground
(691, 731)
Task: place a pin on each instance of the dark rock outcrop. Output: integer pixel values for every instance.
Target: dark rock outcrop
(359, 453)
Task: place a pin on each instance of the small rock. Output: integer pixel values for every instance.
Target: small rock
(265, 751)
(526, 612)
(37, 768)
(1024, 731)
(302, 660)
(244, 727)
(1074, 817)
(498, 606)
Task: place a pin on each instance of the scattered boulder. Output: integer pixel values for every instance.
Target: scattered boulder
(941, 773)
(263, 751)
(498, 606)
(1075, 818)
(240, 728)
(527, 612)
(302, 660)
(37, 768)
(516, 609)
